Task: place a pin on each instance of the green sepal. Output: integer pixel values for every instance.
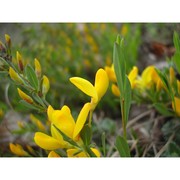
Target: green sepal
(86, 134)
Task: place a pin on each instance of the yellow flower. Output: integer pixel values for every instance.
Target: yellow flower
(76, 153)
(14, 76)
(131, 76)
(53, 154)
(24, 96)
(176, 105)
(149, 77)
(64, 121)
(97, 91)
(18, 150)
(146, 77)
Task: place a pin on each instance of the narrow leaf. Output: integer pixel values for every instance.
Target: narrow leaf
(122, 147)
(31, 76)
(161, 108)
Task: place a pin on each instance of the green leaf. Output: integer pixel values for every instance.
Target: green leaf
(31, 76)
(86, 134)
(103, 138)
(119, 64)
(176, 56)
(176, 41)
(30, 106)
(161, 108)
(122, 147)
(38, 99)
(174, 149)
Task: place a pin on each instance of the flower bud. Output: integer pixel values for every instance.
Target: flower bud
(8, 40)
(25, 97)
(14, 76)
(171, 75)
(37, 68)
(38, 123)
(45, 85)
(20, 61)
(18, 150)
(31, 150)
(53, 154)
(2, 48)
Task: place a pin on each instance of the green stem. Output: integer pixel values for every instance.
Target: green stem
(123, 119)
(90, 118)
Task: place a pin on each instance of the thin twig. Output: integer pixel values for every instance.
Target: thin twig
(7, 97)
(165, 146)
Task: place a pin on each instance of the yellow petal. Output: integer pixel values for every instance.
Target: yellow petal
(74, 153)
(18, 150)
(101, 83)
(115, 90)
(47, 142)
(132, 76)
(147, 78)
(85, 86)
(96, 152)
(58, 136)
(50, 111)
(64, 121)
(176, 107)
(81, 119)
(111, 74)
(53, 154)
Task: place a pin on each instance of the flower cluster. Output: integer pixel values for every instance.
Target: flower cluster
(149, 81)
(65, 131)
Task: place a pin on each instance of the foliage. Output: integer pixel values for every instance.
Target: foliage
(61, 121)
